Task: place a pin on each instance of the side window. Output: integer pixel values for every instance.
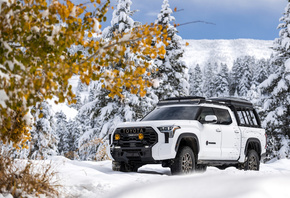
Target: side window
(223, 116)
(241, 117)
(247, 117)
(204, 112)
(253, 117)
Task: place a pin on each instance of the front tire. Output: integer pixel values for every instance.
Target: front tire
(184, 162)
(253, 161)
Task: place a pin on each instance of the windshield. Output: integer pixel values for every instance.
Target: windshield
(172, 113)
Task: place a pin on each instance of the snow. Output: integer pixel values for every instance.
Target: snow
(3, 98)
(68, 111)
(96, 179)
(224, 51)
(287, 65)
(96, 27)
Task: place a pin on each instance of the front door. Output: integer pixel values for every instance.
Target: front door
(210, 137)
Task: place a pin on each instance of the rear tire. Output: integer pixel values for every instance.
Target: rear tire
(253, 161)
(184, 162)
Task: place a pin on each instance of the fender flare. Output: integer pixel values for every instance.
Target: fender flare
(254, 140)
(184, 136)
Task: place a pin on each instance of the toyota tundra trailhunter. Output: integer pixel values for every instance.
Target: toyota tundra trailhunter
(190, 133)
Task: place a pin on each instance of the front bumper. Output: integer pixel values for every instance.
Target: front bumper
(138, 155)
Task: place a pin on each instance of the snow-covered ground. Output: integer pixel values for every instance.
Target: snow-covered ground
(96, 179)
(225, 51)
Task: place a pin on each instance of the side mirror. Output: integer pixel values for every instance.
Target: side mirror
(210, 119)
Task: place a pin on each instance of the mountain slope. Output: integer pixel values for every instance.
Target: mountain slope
(225, 51)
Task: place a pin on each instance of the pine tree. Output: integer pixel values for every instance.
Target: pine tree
(209, 84)
(277, 88)
(195, 81)
(102, 112)
(72, 138)
(62, 132)
(245, 83)
(44, 137)
(260, 71)
(235, 76)
(222, 80)
(171, 69)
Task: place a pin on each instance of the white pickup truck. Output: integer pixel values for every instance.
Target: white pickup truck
(190, 133)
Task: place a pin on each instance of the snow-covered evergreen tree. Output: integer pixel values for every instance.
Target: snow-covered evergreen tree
(71, 140)
(277, 102)
(44, 137)
(235, 76)
(102, 112)
(62, 132)
(121, 19)
(222, 80)
(172, 71)
(260, 71)
(241, 77)
(245, 83)
(209, 84)
(195, 81)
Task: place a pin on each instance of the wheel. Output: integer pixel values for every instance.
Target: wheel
(124, 167)
(184, 162)
(253, 161)
(201, 168)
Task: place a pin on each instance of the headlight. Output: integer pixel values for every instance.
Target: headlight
(169, 129)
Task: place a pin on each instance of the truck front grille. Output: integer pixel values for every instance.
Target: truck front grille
(129, 137)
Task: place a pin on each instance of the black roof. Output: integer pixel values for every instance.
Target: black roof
(227, 101)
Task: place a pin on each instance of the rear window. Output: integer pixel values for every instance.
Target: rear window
(247, 117)
(173, 113)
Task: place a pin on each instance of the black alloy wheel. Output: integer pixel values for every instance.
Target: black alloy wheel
(253, 161)
(184, 162)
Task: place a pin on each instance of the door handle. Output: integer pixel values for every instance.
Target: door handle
(218, 130)
(237, 131)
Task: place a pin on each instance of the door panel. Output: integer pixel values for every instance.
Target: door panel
(210, 137)
(231, 140)
(231, 135)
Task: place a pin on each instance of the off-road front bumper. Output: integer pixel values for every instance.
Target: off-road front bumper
(136, 155)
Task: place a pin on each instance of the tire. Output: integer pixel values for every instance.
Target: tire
(253, 161)
(184, 162)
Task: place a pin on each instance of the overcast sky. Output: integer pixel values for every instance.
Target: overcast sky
(256, 19)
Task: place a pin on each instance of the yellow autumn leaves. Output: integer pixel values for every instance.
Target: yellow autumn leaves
(36, 64)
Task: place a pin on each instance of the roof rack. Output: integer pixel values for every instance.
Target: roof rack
(237, 102)
(227, 101)
(181, 100)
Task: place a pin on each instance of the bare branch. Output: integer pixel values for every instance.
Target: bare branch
(210, 23)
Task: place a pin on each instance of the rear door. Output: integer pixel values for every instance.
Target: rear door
(230, 135)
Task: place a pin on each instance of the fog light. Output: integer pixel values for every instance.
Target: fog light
(141, 136)
(117, 137)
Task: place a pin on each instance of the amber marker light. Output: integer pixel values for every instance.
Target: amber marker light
(141, 136)
(117, 137)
